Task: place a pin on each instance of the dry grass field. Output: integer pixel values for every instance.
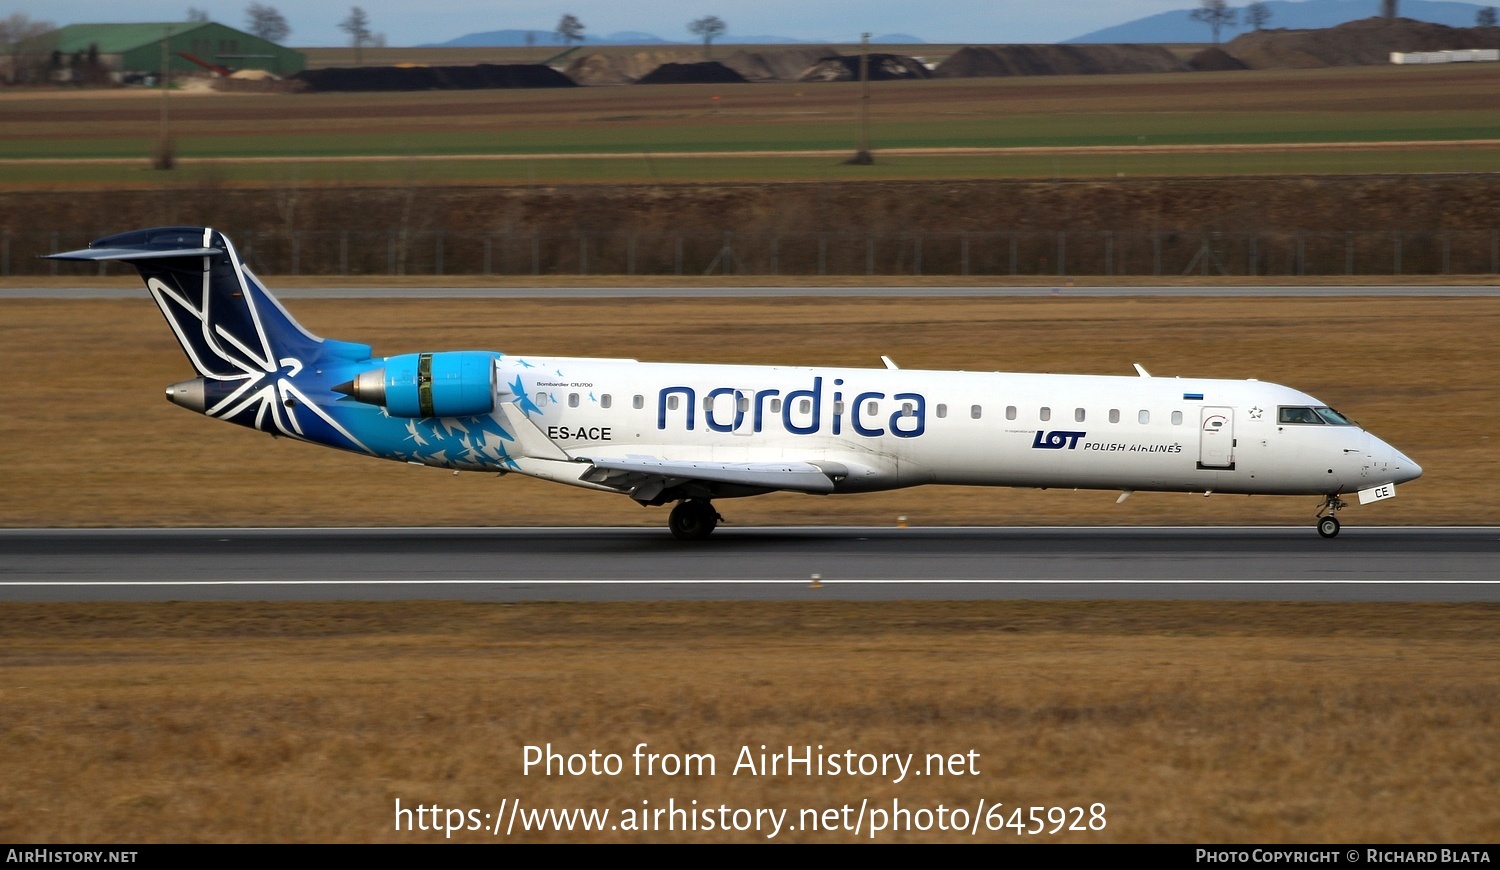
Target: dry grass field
(1420, 373)
(1197, 723)
(1273, 107)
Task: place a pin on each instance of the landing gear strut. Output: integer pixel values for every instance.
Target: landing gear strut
(693, 520)
(1328, 526)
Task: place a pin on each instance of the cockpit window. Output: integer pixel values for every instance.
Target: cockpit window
(1297, 415)
(1333, 417)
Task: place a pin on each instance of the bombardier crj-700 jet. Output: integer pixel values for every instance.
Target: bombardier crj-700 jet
(664, 433)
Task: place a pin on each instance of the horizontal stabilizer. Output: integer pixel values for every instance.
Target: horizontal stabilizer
(141, 253)
(796, 476)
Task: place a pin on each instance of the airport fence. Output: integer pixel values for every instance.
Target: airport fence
(996, 253)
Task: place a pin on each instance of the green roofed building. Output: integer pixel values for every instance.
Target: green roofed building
(125, 49)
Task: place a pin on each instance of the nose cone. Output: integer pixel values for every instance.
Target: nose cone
(1398, 465)
(1405, 468)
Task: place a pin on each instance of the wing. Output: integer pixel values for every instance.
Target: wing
(644, 478)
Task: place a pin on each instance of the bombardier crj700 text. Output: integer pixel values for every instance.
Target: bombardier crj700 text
(688, 434)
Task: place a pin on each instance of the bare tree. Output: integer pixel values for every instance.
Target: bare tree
(266, 22)
(1257, 15)
(357, 25)
(196, 15)
(569, 29)
(1217, 14)
(16, 29)
(1485, 17)
(709, 28)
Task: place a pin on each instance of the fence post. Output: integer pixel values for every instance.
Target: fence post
(390, 252)
(583, 253)
(630, 254)
(296, 252)
(5, 253)
(822, 254)
(963, 253)
(1109, 252)
(916, 255)
(775, 255)
(1015, 245)
(1397, 255)
(1494, 252)
(536, 252)
(1062, 252)
(344, 252)
(52, 264)
(1301, 256)
(488, 248)
(1254, 254)
(437, 253)
(678, 255)
(1447, 237)
(869, 253)
(1156, 254)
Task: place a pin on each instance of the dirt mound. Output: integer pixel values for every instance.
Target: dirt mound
(883, 68)
(708, 72)
(1363, 42)
(1056, 60)
(621, 69)
(786, 65)
(1214, 60)
(434, 78)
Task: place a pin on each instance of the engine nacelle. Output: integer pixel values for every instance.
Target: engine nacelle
(451, 384)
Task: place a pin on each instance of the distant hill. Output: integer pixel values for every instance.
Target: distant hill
(514, 38)
(1305, 15)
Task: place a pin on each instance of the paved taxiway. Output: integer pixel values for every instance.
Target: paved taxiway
(599, 564)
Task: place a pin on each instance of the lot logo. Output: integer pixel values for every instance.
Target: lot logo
(1057, 439)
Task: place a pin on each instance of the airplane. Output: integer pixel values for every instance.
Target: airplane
(689, 434)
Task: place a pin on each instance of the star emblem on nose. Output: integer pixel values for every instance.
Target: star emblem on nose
(1255, 413)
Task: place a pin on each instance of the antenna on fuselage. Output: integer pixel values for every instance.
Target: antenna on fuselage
(1141, 370)
(888, 364)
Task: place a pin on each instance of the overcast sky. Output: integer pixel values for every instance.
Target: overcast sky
(405, 22)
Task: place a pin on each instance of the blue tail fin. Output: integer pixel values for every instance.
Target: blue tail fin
(257, 366)
(228, 324)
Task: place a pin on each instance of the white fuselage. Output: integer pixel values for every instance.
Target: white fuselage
(893, 428)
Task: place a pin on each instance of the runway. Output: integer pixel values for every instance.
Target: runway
(852, 563)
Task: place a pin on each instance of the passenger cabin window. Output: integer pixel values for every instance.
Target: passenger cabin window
(1046, 414)
(1114, 415)
(572, 400)
(775, 406)
(872, 408)
(908, 409)
(1298, 415)
(541, 400)
(672, 402)
(1176, 418)
(1144, 417)
(804, 406)
(942, 411)
(975, 411)
(1010, 412)
(638, 402)
(605, 401)
(1077, 415)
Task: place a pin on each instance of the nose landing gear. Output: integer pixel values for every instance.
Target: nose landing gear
(693, 519)
(1328, 526)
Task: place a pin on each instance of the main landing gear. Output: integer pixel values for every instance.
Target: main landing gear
(693, 519)
(1328, 526)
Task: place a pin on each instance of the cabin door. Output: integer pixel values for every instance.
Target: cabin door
(1216, 438)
